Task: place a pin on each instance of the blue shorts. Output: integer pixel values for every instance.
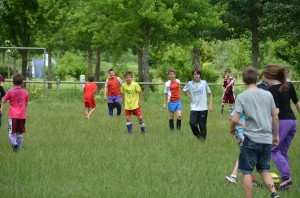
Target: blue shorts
(254, 155)
(174, 106)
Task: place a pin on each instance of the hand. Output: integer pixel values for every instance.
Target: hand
(275, 141)
(105, 98)
(164, 105)
(232, 130)
(140, 103)
(210, 108)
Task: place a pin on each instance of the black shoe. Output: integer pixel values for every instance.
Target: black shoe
(275, 195)
(15, 147)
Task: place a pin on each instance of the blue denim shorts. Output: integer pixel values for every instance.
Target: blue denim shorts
(254, 155)
(174, 106)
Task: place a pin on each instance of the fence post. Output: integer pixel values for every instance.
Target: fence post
(82, 80)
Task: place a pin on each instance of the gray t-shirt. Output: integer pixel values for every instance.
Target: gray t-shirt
(257, 106)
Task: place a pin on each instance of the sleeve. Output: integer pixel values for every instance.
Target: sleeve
(239, 105)
(275, 96)
(207, 88)
(106, 82)
(166, 87)
(122, 88)
(293, 93)
(186, 87)
(7, 96)
(138, 88)
(120, 81)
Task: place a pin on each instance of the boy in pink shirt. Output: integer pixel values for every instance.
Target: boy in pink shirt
(18, 100)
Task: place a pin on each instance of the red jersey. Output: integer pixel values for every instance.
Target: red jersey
(228, 83)
(172, 88)
(18, 100)
(89, 89)
(113, 86)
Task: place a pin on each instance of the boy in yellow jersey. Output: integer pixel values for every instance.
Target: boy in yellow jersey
(131, 93)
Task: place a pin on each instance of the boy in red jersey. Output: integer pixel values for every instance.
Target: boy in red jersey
(18, 100)
(172, 95)
(89, 90)
(112, 93)
(228, 95)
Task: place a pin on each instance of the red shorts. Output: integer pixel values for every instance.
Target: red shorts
(228, 97)
(136, 112)
(17, 125)
(90, 104)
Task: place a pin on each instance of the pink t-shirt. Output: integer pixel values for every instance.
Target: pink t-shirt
(18, 100)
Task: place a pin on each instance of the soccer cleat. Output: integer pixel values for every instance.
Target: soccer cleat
(15, 147)
(285, 184)
(274, 195)
(231, 179)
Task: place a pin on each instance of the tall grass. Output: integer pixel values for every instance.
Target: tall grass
(66, 155)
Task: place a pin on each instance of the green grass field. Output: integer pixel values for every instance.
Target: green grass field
(66, 155)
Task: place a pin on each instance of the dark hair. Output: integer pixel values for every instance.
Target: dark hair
(2, 79)
(227, 70)
(111, 69)
(276, 72)
(250, 75)
(197, 70)
(18, 79)
(91, 78)
(128, 73)
(171, 70)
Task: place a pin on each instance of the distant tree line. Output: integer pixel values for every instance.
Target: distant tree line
(151, 28)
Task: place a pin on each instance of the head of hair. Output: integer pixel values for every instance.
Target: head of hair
(197, 70)
(250, 75)
(91, 78)
(276, 72)
(171, 70)
(227, 70)
(18, 79)
(2, 79)
(128, 73)
(111, 69)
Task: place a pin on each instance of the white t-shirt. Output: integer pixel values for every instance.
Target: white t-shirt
(198, 92)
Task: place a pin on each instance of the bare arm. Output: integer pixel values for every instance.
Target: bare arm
(210, 108)
(105, 93)
(275, 122)
(298, 106)
(234, 122)
(165, 99)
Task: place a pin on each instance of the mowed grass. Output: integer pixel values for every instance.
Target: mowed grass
(66, 155)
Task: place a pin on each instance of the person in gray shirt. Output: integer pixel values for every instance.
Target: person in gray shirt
(260, 114)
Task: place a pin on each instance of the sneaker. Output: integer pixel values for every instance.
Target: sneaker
(274, 195)
(285, 184)
(15, 147)
(231, 179)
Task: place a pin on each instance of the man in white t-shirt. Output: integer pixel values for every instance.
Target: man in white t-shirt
(197, 91)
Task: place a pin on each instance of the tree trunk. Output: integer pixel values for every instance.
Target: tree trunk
(255, 41)
(97, 69)
(49, 68)
(90, 60)
(24, 53)
(140, 64)
(146, 56)
(14, 65)
(196, 61)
